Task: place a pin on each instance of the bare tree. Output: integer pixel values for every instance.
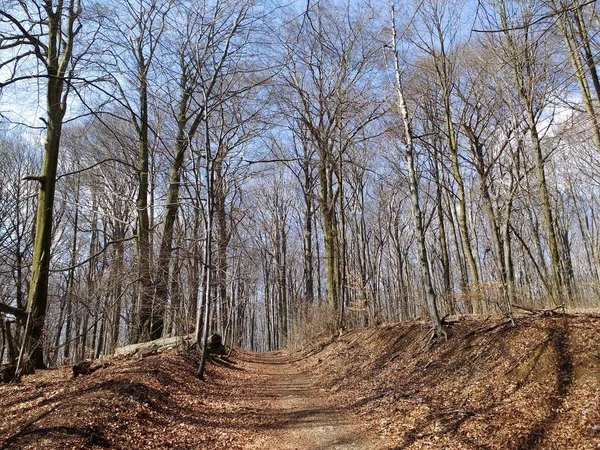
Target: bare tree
(131, 36)
(328, 77)
(209, 49)
(441, 21)
(47, 42)
(524, 49)
(409, 157)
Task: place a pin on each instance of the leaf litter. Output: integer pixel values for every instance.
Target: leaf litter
(490, 386)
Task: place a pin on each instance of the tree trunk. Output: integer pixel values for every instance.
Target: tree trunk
(71, 276)
(413, 181)
(497, 246)
(447, 286)
(308, 236)
(524, 79)
(145, 288)
(172, 204)
(58, 59)
(222, 244)
(329, 234)
(210, 179)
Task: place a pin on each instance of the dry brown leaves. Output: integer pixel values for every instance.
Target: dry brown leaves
(491, 386)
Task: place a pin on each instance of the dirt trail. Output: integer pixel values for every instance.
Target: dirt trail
(302, 414)
(251, 401)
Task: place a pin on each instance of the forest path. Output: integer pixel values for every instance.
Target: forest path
(298, 412)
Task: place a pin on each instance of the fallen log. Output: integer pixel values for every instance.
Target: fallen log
(162, 344)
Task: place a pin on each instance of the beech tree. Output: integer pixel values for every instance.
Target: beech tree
(328, 81)
(130, 39)
(525, 50)
(43, 35)
(208, 57)
(413, 180)
(439, 38)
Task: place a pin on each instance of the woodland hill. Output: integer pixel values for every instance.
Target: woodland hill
(271, 170)
(279, 171)
(492, 385)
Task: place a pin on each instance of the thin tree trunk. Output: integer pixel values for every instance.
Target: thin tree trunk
(207, 245)
(447, 286)
(308, 236)
(414, 195)
(71, 275)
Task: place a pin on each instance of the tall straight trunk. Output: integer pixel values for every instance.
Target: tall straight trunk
(118, 290)
(281, 262)
(13, 354)
(58, 59)
(497, 246)
(267, 281)
(101, 339)
(208, 264)
(568, 271)
(143, 221)
(274, 314)
(508, 264)
(222, 245)
(91, 284)
(328, 209)
(409, 158)
(182, 140)
(71, 275)
(196, 272)
(83, 337)
(202, 288)
(308, 235)
(251, 335)
(92, 348)
(4, 343)
(557, 294)
(462, 265)
(342, 239)
(524, 77)
(318, 257)
(400, 278)
(165, 252)
(77, 335)
(61, 322)
(443, 68)
(462, 203)
(185, 133)
(174, 324)
(19, 235)
(462, 217)
(362, 245)
(442, 227)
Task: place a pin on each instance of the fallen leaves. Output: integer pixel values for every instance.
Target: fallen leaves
(491, 386)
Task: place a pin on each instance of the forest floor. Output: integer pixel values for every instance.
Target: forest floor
(490, 386)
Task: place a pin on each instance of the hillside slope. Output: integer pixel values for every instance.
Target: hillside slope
(490, 386)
